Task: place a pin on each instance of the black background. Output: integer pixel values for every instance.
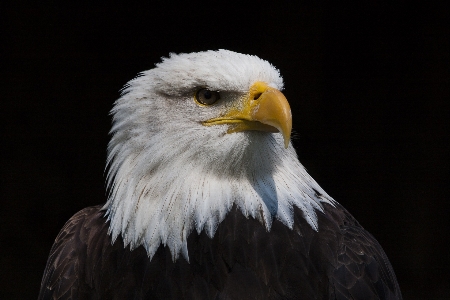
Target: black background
(368, 84)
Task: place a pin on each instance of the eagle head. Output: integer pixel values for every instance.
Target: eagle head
(194, 136)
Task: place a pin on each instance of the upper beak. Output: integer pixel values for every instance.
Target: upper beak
(264, 109)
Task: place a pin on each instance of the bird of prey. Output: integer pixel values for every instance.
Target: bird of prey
(207, 199)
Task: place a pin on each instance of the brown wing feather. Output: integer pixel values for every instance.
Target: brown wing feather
(65, 264)
(242, 261)
(363, 270)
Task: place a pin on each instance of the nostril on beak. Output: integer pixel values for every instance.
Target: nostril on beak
(257, 96)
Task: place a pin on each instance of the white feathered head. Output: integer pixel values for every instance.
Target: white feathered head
(196, 135)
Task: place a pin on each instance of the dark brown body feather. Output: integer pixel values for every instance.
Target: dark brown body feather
(242, 261)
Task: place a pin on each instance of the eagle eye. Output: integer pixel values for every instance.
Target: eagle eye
(206, 97)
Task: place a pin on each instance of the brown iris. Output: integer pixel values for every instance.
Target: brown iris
(206, 97)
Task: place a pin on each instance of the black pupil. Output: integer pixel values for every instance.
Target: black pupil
(207, 94)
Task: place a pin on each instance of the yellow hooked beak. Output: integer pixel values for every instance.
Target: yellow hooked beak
(264, 109)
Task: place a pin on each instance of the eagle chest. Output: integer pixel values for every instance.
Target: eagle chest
(242, 261)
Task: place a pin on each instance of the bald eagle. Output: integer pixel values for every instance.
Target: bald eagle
(208, 200)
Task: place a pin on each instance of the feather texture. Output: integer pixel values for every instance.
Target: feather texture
(242, 261)
(243, 212)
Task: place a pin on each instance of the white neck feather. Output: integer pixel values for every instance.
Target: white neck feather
(161, 201)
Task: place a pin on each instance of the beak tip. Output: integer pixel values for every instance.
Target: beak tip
(286, 133)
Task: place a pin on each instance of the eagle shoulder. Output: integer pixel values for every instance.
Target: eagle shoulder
(360, 268)
(65, 273)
